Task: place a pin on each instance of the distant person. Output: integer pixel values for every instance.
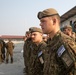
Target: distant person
(68, 31)
(60, 53)
(45, 39)
(1, 45)
(10, 47)
(74, 26)
(3, 50)
(25, 50)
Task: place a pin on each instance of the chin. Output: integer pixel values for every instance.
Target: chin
(45, 32)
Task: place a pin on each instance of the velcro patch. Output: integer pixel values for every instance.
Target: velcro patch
(40, 53)
(61, 50)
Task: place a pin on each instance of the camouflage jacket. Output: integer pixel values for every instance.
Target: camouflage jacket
(54, 55)
(1, 45)
(36, 66)
(9, 46)
(26, 51)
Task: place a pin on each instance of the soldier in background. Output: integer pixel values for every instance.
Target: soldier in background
(27, 40)
(1, 45)
(9, 47)
(68, 31)
(3, 50)
(74, 26)
(45, 38)
(60, 53)
(75, 29)
(37, 48)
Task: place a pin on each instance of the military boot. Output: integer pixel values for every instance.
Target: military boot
(11, 60)
(6, 61)
(0, 60)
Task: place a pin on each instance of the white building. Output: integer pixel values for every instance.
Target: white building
(69, 18)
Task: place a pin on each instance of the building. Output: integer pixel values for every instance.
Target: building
(69, 18)
(14, 38)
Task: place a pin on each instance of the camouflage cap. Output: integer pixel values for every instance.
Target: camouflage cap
(47, 13)
(35, 29)
(67, 26)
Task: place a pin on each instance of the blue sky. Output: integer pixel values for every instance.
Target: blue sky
(16, 16)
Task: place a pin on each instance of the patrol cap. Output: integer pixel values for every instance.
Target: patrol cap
(47, 13)
(35, 29)
(67, 26)
(27, 32)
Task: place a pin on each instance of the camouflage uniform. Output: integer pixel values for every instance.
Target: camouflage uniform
(35, 65)
(26, 42)
(56, 61)
(3, 50)
(26, 53)
(1, 45)
(60, 53)
(10, 47)
(37, 47)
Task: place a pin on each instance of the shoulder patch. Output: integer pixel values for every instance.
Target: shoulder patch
(61, 50)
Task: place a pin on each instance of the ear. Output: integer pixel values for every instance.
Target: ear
(54, 21)
(41, 34)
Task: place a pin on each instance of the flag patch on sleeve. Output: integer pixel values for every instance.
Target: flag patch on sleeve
(40, 53)
(61, 50)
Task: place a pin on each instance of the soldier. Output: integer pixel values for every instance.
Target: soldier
(68, 31)
(27, 41)
(45, 38)
(1, 45)
(10, 47)
(60, 53)
(74, 26)
(3, 50)
(37, 47)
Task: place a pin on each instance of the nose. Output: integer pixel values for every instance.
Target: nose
(32, 36)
